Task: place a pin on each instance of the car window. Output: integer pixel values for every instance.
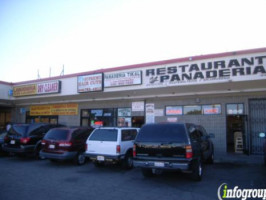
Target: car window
(57, 134)
(129, 134)
(104, 135)
(18, 130)
(34, 127)
(2, 135)
(203, 131)
(39, 131)
(194, 133)
(163, 133)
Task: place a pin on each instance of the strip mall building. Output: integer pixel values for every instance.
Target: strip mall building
(225, 92)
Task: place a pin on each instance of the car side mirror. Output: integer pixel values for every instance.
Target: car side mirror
(262, 135)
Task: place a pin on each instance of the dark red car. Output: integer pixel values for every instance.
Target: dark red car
(65, 144)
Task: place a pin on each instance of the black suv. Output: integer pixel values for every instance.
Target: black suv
(66, 144)
(172, 146)
(26, 138)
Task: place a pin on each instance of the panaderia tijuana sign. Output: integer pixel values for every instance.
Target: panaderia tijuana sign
(207, 71)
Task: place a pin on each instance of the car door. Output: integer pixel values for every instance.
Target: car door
(127, 139)
(205, 143)
(195, 140)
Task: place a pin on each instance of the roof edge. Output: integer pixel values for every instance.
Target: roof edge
(147, 64)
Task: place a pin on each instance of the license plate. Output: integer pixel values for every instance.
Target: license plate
(159, 164)
(12, 142)
(51, 146)
(100, 158)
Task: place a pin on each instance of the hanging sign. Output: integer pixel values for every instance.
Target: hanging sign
(122, 79)
(90, 83)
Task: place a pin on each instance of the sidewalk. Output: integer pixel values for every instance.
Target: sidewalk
(239, 158)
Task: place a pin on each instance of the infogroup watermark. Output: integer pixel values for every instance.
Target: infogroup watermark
(237, 193)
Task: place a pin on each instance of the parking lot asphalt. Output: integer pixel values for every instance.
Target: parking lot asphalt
(26, 178)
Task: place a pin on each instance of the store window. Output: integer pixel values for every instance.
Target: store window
(173, 110)
(98, 117)
(192, 110)
(41, 119)
(124, 117)
(235, 109)
(214, 109)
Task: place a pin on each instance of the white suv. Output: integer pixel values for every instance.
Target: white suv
(111, 145)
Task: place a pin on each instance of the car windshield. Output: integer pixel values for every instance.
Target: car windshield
(2, 135)
(164, 133)
(104, 135)
(57, 134)
(18, 129)
(33, 127)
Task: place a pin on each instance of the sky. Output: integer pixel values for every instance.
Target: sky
(42, 36)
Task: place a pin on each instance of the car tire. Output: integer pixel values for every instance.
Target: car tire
(196, 168)
(128, 161)
(210, 159)
(37, 153)
(80, 158)
(147, 172)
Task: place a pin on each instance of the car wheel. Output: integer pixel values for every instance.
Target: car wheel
(210, 159)
(53, 160)
(196, 167)
(147, 172)
(80, 159)
(37, 153)
(128, 161)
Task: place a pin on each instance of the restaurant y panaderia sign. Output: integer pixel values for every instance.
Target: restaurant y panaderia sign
(202, 72)
(36, 89)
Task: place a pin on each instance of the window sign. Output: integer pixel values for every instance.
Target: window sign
(107, 114)
(211, 109)
(150, 114)
(137, 106)
(235, 109)
(173, 110)
(124, 121)
(124, 112)
(192, 110)
(97, 113)
(85, 113)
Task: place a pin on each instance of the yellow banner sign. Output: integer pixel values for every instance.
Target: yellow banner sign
(54, 109)
(25, 90)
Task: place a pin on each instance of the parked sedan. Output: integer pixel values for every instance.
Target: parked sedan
(65, 144)
(26, 138)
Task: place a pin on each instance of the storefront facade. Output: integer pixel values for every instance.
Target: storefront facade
(226, 93)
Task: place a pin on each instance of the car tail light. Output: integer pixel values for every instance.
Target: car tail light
(134, 151)
(118, 149)
(65, 144)
(43, 142)
(24, 140)
(6, 138)
(189, 153)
